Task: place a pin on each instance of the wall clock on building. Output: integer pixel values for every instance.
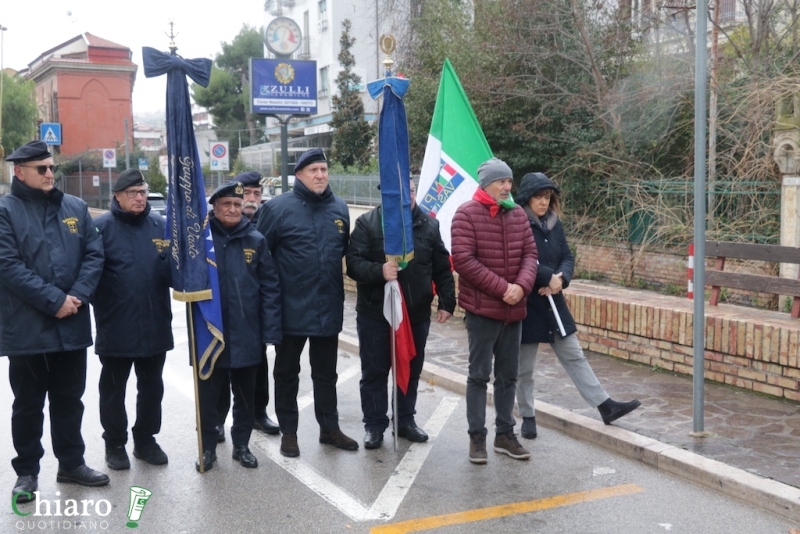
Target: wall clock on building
(283, 36)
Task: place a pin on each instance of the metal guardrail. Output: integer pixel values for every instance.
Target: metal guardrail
(357, 189)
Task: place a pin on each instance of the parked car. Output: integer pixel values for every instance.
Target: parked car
(157, 203)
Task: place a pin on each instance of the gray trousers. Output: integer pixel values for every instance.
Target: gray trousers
(570, 355)
(487, 338)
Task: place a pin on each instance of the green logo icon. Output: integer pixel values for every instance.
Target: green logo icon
(139, 498)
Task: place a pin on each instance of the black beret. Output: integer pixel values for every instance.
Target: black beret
(249, 179)
(532, 183)
(127, 179)
(231, 189)
(308, 157)
(33, 151)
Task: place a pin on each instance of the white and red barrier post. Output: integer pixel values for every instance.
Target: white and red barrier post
(690, 272)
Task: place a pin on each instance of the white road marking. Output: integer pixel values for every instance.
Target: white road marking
(395, 489)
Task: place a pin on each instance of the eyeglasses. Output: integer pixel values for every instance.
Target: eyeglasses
(42, 169)
(133, 193)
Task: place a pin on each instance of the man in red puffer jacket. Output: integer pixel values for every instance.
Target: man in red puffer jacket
(495, 256)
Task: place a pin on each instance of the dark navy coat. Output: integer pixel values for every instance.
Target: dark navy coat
(49, 247)
(540, 325)
(132, 308)
(250, 292)
(431, 264)
(308, 235)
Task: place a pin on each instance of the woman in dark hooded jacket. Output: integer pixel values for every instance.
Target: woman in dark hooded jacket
(538, 196)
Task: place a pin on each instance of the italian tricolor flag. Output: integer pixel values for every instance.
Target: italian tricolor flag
(456, 147)
(396, 314)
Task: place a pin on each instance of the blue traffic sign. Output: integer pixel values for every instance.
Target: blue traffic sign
(50, 133)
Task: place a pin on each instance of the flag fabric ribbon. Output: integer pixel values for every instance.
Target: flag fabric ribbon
(192, 259)
(396, 314)
(395, 173)
(456, 147)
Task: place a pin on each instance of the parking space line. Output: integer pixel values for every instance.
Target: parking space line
(396, 488)
(481, 514)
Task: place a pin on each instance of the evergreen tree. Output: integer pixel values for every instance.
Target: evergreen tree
(352, 134)
(227, 95)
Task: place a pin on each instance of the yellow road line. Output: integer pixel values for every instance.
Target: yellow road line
(427, 523)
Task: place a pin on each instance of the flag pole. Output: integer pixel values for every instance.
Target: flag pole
(193, 357)
(394, 377)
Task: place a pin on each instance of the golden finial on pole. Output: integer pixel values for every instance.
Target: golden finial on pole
(388, 44)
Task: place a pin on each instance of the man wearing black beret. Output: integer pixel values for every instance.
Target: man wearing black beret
(251, 182)
(133, 315)
(51, 257)
(308, 231)
(243, 260)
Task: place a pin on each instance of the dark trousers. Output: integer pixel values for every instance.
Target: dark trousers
(374, 341)
(261, 395)
(60, 376)
(322, 356)
(492, 340)
(150, 392)
(243, 383)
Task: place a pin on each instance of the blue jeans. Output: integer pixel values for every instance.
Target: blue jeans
(488, 338)
(374, 338)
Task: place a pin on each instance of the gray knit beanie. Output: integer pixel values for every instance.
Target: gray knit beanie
(493, 170)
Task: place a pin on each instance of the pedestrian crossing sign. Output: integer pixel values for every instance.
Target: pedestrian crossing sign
(50, 133)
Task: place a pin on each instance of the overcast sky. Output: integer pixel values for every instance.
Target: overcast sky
(34, 27)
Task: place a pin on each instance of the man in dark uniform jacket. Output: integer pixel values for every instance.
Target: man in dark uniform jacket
(133, 317)
(367, 265)
(308, 231)
(51, 257)
(243, 262)
(251, 181)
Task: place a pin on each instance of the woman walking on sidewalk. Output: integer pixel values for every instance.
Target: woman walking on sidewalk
(538, 195)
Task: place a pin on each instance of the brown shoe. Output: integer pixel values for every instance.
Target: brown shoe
(338, 440)
(289, 446)
(508, 444)
(477, 448)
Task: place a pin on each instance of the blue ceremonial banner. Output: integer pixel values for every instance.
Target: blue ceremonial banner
(283, 87)
(395, 174)
(194, 268)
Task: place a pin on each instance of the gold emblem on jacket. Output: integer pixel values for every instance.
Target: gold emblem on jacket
(161, 244)
(339, 224)
(248, 254)
(72, 224)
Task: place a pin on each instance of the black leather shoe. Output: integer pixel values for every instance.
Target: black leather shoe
(338, 439)
(244, 456)
(373, 439)
(412, 433)
(24, 488)
(209, 457)
(83, 475)
(152, 454)
(117, 458)
(289, 447)
(266, 425)
(611, 410)
(220, 433)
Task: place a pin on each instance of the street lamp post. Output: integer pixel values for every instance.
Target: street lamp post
(2, 151)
